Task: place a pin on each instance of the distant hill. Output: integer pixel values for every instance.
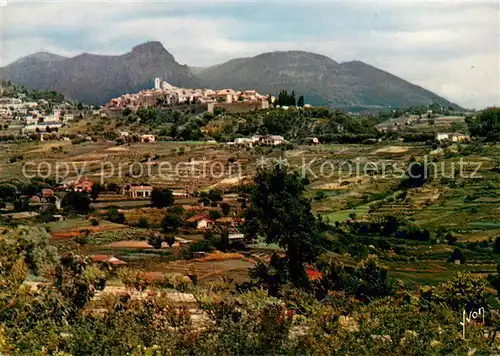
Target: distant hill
(320, 79)
(95, 79)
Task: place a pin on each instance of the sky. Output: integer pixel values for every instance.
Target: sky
(450, 47)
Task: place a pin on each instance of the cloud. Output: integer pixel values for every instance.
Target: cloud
(451, 48)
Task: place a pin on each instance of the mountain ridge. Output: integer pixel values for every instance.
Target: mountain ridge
(95, 78)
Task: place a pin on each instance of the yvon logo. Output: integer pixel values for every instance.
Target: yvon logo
(473, 315)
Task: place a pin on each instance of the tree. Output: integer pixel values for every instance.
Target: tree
(115, 216)
(457, 255)
(226, 208)
(464, 291)
(214, 214)
(281, 213)
(496, 246)
(96, 189)
(452, 240)
(155, 240)
(417, 175)
(300, 102)
(77, 201)
(143, 223)
(8, 191)
(215, 195)
(127, 111)
(170, 240)
(113, 187)
(35, 247)
(161, 198)
(487, 124)
(224, 240)
(79, 106)
(171, 223)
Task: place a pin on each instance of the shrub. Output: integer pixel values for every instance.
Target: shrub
(143, 223)
(115, 216)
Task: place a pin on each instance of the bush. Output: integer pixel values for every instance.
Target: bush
(115, 216)
(214, 214)
(143, 223)
(161, 198)
(94, 222)
(77, 201)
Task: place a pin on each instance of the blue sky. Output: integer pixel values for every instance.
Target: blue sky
(451, 48)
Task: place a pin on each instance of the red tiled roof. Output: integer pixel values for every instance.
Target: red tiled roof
(108, 258)
(141, 187)
(198, 218)
(100, 258)
(314, 274)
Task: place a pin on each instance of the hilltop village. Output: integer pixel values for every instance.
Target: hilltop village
(165, 95)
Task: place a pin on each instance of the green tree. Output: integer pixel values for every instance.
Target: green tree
(214, 214)
(226, 208)
(96, 189)
(114, 215)
(171, 223)
(496, 246)
(143, 223)
(281, 213)
(300, 102)
(457, 255)
(77, 201)
(162, 198)
(126, 111)
(215, 195)
(487, 124)
(155, 240)
(8, 191)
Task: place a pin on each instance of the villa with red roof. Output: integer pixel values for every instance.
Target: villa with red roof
(202, 222)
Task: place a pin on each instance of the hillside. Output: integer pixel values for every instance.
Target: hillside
(95, 79)
(322, 80)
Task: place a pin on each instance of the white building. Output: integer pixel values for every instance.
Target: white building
(452, 136)
(243, 141)
(202, 222)
(147, 138)
(272, 140)
(157, 83)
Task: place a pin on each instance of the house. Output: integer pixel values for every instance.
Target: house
(230, 221)
(313, 140)
(142, 191)
(58, 217)
(225, 95)
(243, 141)
(272, 140)
(199, 254)
(112, 260)
(452, 136)
(235, 235)
(180, 193)
(147, 138)
(442, 136)
(202, 222)
(84, 185)
(47, 193)
(124, 134)
(255, 139)
(35, 199)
